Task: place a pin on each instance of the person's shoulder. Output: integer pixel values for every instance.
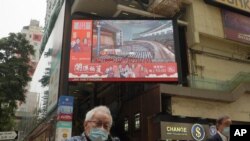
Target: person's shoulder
(115, 139)
(76, 138)
(215, 137)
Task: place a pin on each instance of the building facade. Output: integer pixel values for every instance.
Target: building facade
(49, 8)
(213, 81)
(34, 34)
(219, 66)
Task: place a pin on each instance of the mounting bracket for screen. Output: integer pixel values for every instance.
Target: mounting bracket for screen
(122, 8)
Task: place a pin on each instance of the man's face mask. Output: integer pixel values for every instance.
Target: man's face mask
(226, 131)
(97, 134)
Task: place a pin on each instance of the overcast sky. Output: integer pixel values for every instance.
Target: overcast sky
(14, 14)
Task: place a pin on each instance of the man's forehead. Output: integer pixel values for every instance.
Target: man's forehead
(99, 114)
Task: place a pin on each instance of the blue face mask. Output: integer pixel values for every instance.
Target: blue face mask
(97, 134)
(226, 131)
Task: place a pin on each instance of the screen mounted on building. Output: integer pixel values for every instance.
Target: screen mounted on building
(122, 50)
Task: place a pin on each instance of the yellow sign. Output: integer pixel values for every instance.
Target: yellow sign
(183, 131)
(243, 5)
(179, 129)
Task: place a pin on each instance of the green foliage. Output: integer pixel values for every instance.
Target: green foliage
(8, 119)
(15, 52)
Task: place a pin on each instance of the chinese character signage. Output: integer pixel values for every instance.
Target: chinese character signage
(66, 101)
(65, 108)
(122, 50)
(64, 118)
(236, 26)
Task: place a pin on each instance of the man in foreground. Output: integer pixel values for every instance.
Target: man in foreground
(97, 125)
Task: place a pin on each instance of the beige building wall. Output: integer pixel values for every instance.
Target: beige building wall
(205, 33)
(212, 57)
(207, 19)
(202, 18)
(238, 110)
(228, 60)
(221, 70)
(30, 31)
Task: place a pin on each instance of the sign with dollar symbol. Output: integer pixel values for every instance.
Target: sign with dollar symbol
(198, 132)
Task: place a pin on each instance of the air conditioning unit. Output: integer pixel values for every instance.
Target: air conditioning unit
(166, 8)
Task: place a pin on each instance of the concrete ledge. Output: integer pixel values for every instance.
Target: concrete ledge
(232, 96)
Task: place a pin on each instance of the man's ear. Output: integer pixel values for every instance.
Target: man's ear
(86, 128)
(84, 124)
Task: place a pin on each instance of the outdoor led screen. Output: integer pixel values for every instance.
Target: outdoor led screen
(122, 50)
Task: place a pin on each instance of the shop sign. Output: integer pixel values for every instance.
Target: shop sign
(8, 135)
(240, 5)
(64, 117)
(236, 26)
(198, 132)
(63, 130)
(66, 101)
(212, 130)
(63, 124)
(183, 131)
(65, 110)
(62, 134)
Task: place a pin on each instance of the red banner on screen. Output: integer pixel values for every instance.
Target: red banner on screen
(122, 50)
(236, 26)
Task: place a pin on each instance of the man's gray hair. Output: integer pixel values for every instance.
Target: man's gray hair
(101, 108)
(220, 120)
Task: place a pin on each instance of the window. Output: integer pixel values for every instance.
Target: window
(137, 121)
(126, 124)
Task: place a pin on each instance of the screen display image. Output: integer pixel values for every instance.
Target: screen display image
(122, 50)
